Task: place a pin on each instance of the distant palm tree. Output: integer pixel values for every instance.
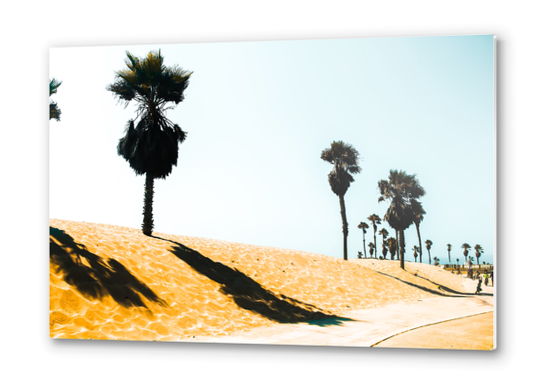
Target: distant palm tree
(375, 220)
(415, 249)
(479, 250)
(428, 244)
(371, 248)
(152, 146)
(364, 227)
(436, 260)
(344, 158)
(401, 189)
(392, 246)
(466, 248)
(449, 249)
(54, 111)
(384, 232)
(419, 213)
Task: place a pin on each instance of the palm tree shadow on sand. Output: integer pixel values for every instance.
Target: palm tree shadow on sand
(250, 295)
(444, 288)
(456, 292)
(100, 278)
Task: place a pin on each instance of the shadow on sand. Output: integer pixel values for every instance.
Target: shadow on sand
(455, 292)
(444, 288)
(250, 295)
(100, 277)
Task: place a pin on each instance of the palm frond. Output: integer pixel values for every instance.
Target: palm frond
(152, 145)
(53, 86)
(344, 158)
(54, 111)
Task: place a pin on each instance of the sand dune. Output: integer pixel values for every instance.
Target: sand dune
(111, 282)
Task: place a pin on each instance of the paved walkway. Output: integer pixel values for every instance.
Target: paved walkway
(473, 332)
(368, 327)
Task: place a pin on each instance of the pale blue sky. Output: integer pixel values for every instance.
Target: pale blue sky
(259, 114)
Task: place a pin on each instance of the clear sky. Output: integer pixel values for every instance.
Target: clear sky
(258, 116)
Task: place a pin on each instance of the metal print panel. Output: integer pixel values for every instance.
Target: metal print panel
(316, 192)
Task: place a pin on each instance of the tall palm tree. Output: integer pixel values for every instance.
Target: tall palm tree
(428, 244)
(54, 111)
(375, 220)
(449, 249)
(466, 248)
(371, 248)
(364, 227)
(415, 249)
(401, 189)
(419, 213)
(151, 146)
(384, 232)
(344, 158)
(392, 246)
(479, 250)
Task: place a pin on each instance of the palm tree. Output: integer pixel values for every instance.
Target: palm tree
(371, 248)
(415, 249)
(152, 146)
(449, 249)
(384, 250)
(428, 244)
(401, 189)
(479, 250)
(392, 246)
(375, 220)
(466, 248)
(419, 213)
(344, 158)
(384, 232)
(436, 260)
(54, 111)
(364, 227)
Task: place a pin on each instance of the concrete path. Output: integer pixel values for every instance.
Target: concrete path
(367, 327)
(467, 333)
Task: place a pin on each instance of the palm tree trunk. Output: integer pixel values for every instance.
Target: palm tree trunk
(429, 252)
(397, 244)
(402, 248)
(364, 249)
(419, 240)
(148, 222)
(345, 227)
(376, 248)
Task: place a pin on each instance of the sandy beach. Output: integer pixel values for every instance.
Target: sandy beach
(114, 283)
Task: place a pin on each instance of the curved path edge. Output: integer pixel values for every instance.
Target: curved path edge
(368, 327)
(428, 325)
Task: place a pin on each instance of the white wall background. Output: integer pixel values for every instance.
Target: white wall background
(28, 30)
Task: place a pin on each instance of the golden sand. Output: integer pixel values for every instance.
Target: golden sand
(111, 282)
